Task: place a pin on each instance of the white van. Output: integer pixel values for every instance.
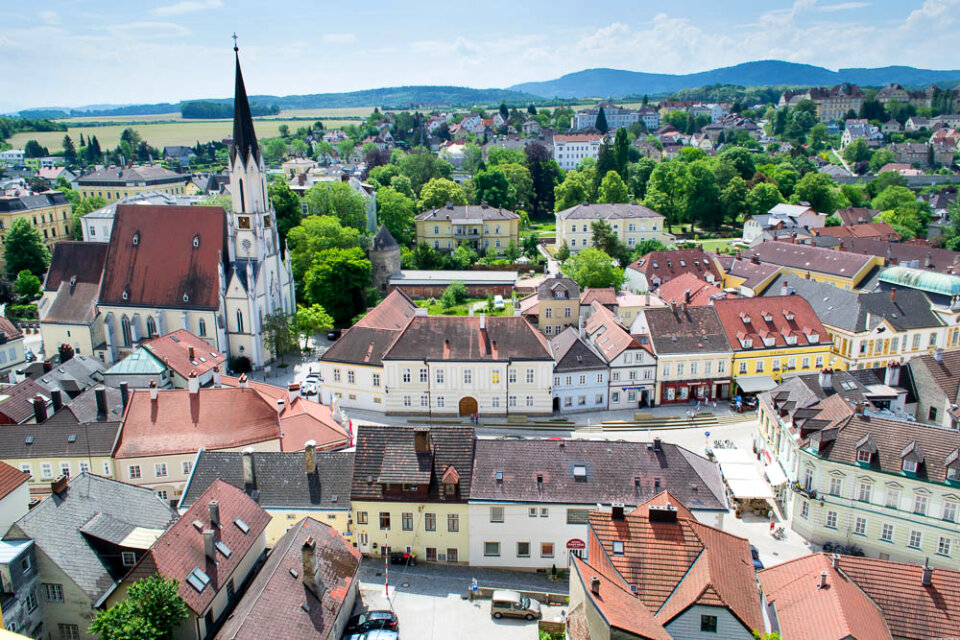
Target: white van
(511, 604)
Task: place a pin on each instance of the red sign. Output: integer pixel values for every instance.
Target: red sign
(576, 543)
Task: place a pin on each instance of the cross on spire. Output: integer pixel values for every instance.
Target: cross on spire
(235, 47)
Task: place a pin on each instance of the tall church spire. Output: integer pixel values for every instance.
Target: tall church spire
(244, 137)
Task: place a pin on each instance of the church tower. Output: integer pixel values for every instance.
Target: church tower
(259, 279)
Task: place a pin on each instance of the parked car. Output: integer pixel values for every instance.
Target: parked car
(512, 604)
(375, 634)
(370, 620)
(757, 563)
(333, 335)
(498, 302)
(310, 385)
(743, 403)
(29, 355)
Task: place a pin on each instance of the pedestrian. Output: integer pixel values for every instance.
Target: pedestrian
(772, 525)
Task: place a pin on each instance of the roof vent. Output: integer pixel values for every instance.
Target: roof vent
(186, 298)
(136, 238)
(616, 512)
(499, 476)
(196, 241)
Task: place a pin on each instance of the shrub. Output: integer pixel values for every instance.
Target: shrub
(239, 364)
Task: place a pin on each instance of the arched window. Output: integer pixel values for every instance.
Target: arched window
(125, 330)
(151, 327)
(202, 327)
(239, 321)
(243, 201)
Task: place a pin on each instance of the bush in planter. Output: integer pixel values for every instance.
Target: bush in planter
(239, 364)
(17, 312)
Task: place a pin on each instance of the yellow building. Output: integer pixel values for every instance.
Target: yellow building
(632, 223)
(410, 490)
(554, 307)
(772, 337)
(116, 183)
(484, 228)
(290, 486)
(49, 212)
(843, 269)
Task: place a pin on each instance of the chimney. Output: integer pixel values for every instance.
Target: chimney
(686, 296)
(483, 322)
(249, 476)
(293, 390)
(835, 560)
(656, 445)
(891, 377)
(192, 353)
(309, 555)
(214, 509)
(938, 355)
(217, 377)
(595, 585)
(281, 404)
(755, 259)
(421, 441)
(859, 408)
(101, 393)
(822, 583)
(208, 549)
(58, 485)
(153, 390)
(928, 261)
(39, 408)
(826, 378)
(926, 574)
(57, 398)
(893, 294)
(785, 288)
(193, 383)
(243, 381)
(124, 394)
(310, 456)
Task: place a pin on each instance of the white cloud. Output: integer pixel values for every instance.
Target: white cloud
(186, 6)
(843, 6)
(147, 30)
(49, 17)
(339, 38)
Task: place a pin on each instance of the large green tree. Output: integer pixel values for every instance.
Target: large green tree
(733, 200)
(337, 198)
(152, 610)
(286, 204)
(605, 239)
(621, 152)
(820, 191)
(521, 184)
(315, 234)
(593, 268)
(337, 280)
(763, 197)
(279, 333)
(437, 192)
(423, 167)
(396, 211)
(639, 173)
(576, 188)
(742, 159)
(491, 187)
(601, 123)
(665, 191)
(900, 209)
(702, 196)
(310, 321)
(23, 248)
(613, 188)
(544, 174)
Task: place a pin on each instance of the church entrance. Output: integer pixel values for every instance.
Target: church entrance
(468, 406)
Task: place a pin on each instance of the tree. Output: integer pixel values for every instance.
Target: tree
(423, 167)
(33, 150)
(740, 158)
(24, 249)
(286, 204)
(900, 209)
(437, 192)
(521, 184)
(762, 198)
(621, 152)
(337, 280)
(396, 211)
(733, 199)
(886, 179)
(593, 268)
(819, 190)
(299, 148)
(315, 234)
(544, 174)
(613, 189)
(310, 321)
(639, 174)
(278, 333)
(69, 150)
(454, 294)
(461, 258)
(818, 136)
(702, 196)
(152, 610)
(880, 158)
(530, 243)
(504, 112)
(337, 199)
(605, 239)
(649, 246)
(857, 151)
(492, 188)
(576, 188)
(951, 230)
(502, 155)
(274, 150)
(563, 252)
(606, 162)
(28, 286)
(833, 221)
(426, 258)
(665, 191)
(601, 124)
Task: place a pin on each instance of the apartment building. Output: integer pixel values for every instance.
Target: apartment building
(631, 222)
(49, 212)
(115, 183)
(570, 149)
(482, 227)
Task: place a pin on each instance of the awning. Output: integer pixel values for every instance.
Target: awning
(775, 474)
(756, 384)
(732, 456)
(755, 489)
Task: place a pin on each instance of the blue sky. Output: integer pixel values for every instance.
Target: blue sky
(77, 52)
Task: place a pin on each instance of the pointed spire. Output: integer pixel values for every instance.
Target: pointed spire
(244, 137)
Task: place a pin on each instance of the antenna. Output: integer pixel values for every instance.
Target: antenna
(235, 47)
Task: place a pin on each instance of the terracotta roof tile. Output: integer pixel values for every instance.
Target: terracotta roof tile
(81, 259)
(843, 264)
(686, 330)
(16, 402)
(175, 348)
(369, 339)
(700, 293)
(608, 336)
(670, 264)
(770, 318)
(461, 338)
(605, 296)
(467, 213)
(10, 479)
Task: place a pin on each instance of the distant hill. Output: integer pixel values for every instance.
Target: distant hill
(602, 83)
(394, 97)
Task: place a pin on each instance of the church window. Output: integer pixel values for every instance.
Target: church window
(239, 321)
(151, 326)
(243, 222)
(243, 202)
(202, 327)
(125, 329)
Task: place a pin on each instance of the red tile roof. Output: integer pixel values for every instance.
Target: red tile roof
(181, 422)
(614, 339)
(670, 264)
(138, 258)
(844, 264)
(910, 609)
(276, 597)
(879, 230)
(675, 290)
(9, 330)
(175, 349)
(842, 610)
(605, 296)
(10, 479)
(769, 318)
(304, 420)
(81, 259)
(179, 550)
(369, 339)
(675, 565)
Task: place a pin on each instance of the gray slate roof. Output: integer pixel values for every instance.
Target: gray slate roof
(73, 376)
(615, 211)
(571, 353)
(280, 478)
(55, 526)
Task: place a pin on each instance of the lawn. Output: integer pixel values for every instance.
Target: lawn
(716, 245)
(434, 308)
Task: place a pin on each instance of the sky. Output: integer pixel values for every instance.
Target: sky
(81, 52)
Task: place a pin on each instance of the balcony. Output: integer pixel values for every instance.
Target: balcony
(806, 493)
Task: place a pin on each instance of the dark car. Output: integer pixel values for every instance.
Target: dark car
(29, 355)
(333, 335)
(757, 564)
(368, 620)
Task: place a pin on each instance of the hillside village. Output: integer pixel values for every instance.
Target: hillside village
(669, 368)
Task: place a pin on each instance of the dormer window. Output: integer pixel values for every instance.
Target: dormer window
(813, 338)
(791, 339)
(186, 298)
(747, 343)
(125, 295)
(863, 456)
(579, 472)
(767, 317)
(910, 466)
(745, 318)
(788, 315)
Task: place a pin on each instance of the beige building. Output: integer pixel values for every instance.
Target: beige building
(116, 183)
(554, 307)
(484, 228)
(633, 223)
(49, 212)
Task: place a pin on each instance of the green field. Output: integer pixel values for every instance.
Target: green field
(716, 245)
(436, 309)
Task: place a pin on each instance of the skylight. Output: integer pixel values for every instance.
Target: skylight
(579, 471)
(223, 548)
(243, 526)
(198, 580)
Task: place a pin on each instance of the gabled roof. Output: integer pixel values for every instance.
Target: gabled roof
(73, 304)
(181, 422)
(609, 211)
(688, 288)
(461, 338)
(925, 257)
(367, 341)
(754, 273)
(10, 479)
(467, 213)
(686, 330)
(627, 472)
(607, 335)
(83, 260)
(174, 350)
(843, 264)
(244, 137)
(137, 175)
(880, 230)
(180, 550)
(58, 438)
(670, 264)
(841, 609)
(73, 376)
(771, 318)
(56, 522)
(676, 565)
(280, 479)
(572, 353)
(278, 599)
(945, 374)
(550, 288)
(389, 451)
(16, 402)
(605, 296)
(144, 237)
